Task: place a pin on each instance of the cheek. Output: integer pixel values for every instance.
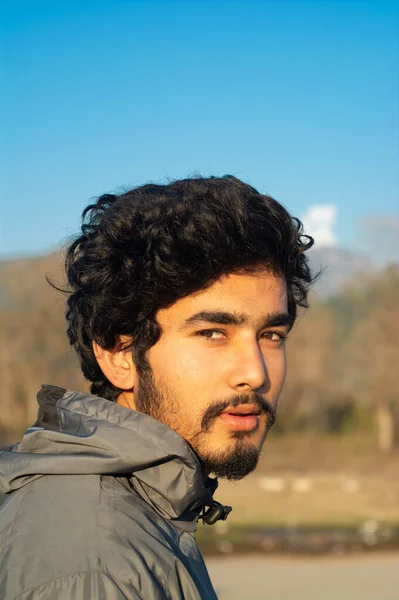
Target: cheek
(277, 368)
(185, 373)
(181, 363)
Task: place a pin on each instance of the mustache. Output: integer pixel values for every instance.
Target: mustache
(217, 408)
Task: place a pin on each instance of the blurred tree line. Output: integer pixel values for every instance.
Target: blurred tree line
(343, 354)
(343, 362)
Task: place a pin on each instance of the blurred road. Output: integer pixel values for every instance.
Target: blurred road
(372, 577)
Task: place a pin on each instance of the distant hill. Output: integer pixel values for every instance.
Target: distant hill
(339, 268)
(22, 277)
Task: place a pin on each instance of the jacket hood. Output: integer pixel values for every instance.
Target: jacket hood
(83, 434)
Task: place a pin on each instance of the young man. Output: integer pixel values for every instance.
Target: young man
(181, 298)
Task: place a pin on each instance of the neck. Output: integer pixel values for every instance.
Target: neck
(126, 399)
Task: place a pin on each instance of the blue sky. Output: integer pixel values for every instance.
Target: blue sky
(299, 98)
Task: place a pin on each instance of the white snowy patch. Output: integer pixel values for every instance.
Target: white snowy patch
(319, 221)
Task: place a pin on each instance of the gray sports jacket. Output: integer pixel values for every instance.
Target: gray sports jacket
(102, 503)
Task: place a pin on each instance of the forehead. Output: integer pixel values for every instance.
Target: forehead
(254, 294)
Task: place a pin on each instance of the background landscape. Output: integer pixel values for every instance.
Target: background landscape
(332, 456)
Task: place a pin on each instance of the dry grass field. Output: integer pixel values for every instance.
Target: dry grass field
(310, 481)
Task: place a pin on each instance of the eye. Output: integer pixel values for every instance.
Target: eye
(275, 336)
(211, 334)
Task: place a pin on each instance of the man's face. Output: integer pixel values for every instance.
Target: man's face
(218, 369)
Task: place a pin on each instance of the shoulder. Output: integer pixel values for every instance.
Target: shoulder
(66, 530)
(56, 507)
(81, 586)
(49, 529)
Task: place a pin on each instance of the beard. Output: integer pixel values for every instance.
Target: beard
(235, 462)
(232, 464)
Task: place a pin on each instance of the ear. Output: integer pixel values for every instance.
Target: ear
(117, 364)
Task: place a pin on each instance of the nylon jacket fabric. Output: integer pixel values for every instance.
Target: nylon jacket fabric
(101, 502)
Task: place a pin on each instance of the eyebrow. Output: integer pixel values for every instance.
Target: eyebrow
(273, 319)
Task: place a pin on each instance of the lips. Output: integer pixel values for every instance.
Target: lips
(241, 418)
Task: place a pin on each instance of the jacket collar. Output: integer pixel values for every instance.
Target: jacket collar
(83, 434)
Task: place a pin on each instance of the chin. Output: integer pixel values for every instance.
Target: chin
(233, 464)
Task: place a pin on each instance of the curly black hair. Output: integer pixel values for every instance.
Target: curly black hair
(146, 248)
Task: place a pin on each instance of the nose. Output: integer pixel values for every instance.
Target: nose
(249, 372)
